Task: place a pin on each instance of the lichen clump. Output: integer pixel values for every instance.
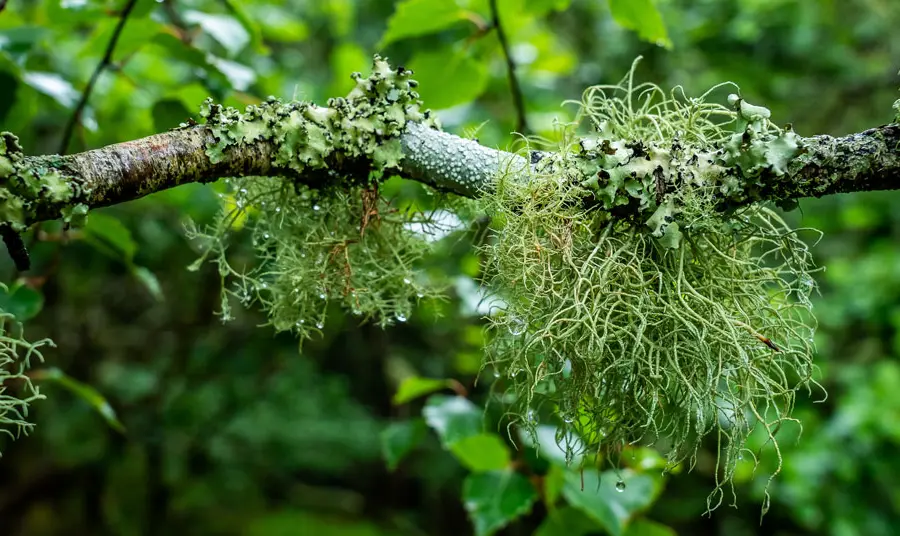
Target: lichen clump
(648, 300)
(16, 388)
(25, 189)
(323, 233)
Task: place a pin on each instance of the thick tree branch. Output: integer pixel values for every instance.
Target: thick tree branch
(865, 161)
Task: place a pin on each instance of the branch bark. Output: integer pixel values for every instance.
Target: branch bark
(864, 161)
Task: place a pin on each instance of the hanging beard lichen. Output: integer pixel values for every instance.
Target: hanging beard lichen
(16, 388)
(648, 300)
(323, 234)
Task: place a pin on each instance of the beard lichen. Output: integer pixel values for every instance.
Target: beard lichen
(325, 234)
(648, 299)
(16, 388)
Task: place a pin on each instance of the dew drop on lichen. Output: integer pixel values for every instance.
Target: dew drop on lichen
(620, 486)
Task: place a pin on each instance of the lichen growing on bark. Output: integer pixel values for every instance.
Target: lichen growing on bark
(637, 309)
(26, 189)
(325, 234)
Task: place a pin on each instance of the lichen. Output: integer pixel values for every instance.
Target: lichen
(323, 233)
(353, 134)
(25, 189)
(16, 389)
(637, 309)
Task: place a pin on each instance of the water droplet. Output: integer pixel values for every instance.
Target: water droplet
(496, 373)
(320, 325)
(322, 296)
(568, 418)
(277, 209)
(740, 456)
(419, 295)
(620, 486)
(516, 326)
(401, 317)
(406, 281)
(567, 368)
(266, 236)
(316, 208)
(530, 415)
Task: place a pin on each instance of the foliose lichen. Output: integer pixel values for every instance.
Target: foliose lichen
(26, 188)
(358, 132)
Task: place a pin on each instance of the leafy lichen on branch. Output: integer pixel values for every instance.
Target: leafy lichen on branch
(353, 135)
(27, 189)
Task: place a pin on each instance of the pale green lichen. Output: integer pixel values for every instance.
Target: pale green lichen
(324, 233)
(637, 309)
(27, 189)
(16, 388)
(357, 133)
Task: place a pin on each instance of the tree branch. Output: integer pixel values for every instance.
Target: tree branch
(104, 63)
(865, 161)
(515, 89)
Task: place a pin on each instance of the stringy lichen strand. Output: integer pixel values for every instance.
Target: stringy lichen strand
(635, 307)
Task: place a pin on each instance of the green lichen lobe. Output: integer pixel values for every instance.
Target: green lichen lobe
(362, 128)
(28, 189)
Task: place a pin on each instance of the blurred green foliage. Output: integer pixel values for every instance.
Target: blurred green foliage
(226, 429)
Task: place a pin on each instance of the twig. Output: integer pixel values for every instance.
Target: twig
(104, 63)
(518, 101)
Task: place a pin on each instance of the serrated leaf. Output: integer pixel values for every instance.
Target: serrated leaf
(21, 301)
(645, 527)
(83, 391)
(481, 453)
(226, 30)
(399, 438)
(448, 77)
(415, 386)
(453, 418)
(496, 498)
(110, 236)
(643, 17)
(420, 17)
(567, 521)
(602, 501)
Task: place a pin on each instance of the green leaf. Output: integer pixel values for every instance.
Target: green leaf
(415, 386)
(567, 521)
(453, 418)
(53, 85)
(110, 236)
(82, 391)
(496, 498)
(21, 301)
(645, 527)
(481, 453)
(149, 280)
(601, 500)
(399, 438)
(643, 17)
(420, 17)
(227, 31)
(448, 77)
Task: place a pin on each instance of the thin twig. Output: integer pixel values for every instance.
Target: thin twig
(518, 101)
(104, 63)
